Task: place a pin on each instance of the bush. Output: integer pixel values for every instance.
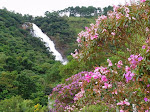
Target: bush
(122, 85)
(16, 104)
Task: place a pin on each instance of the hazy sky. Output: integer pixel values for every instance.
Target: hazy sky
(39, 7)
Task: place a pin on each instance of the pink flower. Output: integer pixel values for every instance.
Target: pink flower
(104, 70)
(78, 40)
(143, 0)
(113, 33)
(103, 78)
(121, 110)
(129, 75)
(145, 99)
(103, 17)
(134, 60)
(148, 49)
(147, 29)
(125, 102)
(127, 10)
(120, 103)
(97, 69)
(95, 76)
(115, 8)
(119, 64)
(109, 61)
(144, 46)
(87, 77)
(104, 30)
(127, 68)
(115, 92)
(106, 85)
(118, 16)
(79, 95)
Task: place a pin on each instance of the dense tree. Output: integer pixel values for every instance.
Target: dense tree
(24, 59)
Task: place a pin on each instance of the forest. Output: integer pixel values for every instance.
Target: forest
(108, 53)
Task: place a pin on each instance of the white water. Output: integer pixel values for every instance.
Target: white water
(37, 32)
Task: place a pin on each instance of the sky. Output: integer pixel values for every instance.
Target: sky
(39, 7)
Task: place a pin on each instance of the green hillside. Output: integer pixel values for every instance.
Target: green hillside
(25, 62)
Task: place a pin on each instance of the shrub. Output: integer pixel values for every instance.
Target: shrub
(124, 85)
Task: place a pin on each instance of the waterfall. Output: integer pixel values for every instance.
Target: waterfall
(37, 32)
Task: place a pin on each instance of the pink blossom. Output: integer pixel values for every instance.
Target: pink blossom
(115, 92)
(97, 69)
(134, 60)
(148, 49)
(95, 76)
(144, 46)
(120, 103)
(115, 8)
(106, 85)
(103, 78)
(113, 33)
(119, 64)
(78, 40)
(146, 99)
(79, 95)
(118, 16)
(147, 29)
(104, 70)
(104, 30)
(129, 75)
(87, 77)
(121, 110)
(103, 17)
(125, 102)
(143, 0)
(127, 10)
(127, 15)
(109, 61)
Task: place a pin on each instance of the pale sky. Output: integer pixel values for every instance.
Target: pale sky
(39, 7)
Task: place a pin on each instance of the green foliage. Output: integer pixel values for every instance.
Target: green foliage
(52, 75)
(39, 97)
(26, 86)
(96, 108)
(7, 84)
(16, 104)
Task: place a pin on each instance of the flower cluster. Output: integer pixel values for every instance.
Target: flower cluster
(64, 93)
(113, 84)
(125, 102)
(134, 60)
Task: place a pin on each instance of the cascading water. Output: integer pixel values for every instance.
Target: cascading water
(37, 32)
